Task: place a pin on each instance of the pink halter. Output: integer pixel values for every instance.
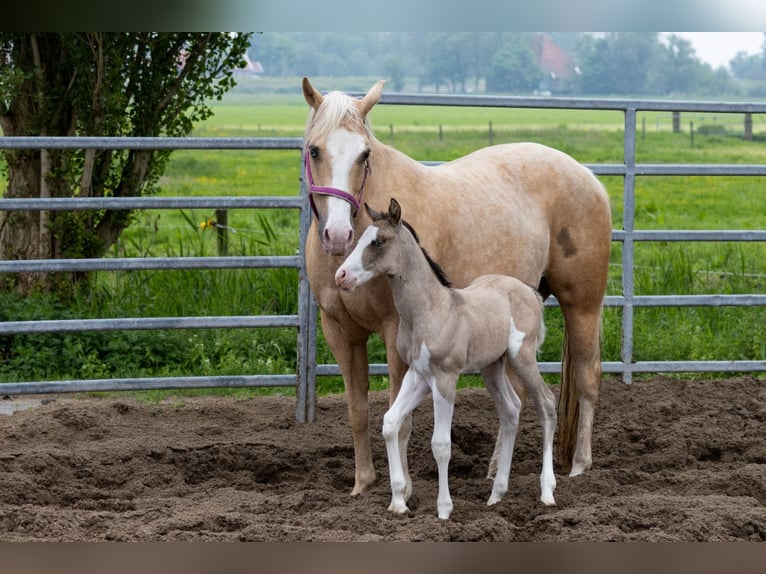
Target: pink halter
(334, 191)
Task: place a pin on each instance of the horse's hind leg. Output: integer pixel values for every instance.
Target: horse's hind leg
(521, 393)
(525, 365)
(508, 407)
(581, 380)
(413, 390)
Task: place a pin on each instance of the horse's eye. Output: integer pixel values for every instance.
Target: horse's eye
(377, 242)
(365, 156)
(314, 152)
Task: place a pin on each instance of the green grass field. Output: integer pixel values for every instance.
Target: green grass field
(425, 134)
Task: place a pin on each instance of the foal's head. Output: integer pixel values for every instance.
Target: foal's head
(379, 250)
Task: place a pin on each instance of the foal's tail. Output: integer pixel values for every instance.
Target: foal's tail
(568, 412)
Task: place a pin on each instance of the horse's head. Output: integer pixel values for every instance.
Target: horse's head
(376, 253)
(337, 146)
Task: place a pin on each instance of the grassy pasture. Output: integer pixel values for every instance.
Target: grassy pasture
(425, 133)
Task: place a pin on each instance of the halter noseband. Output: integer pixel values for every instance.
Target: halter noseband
(334, 191)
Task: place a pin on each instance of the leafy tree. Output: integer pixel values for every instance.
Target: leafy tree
(514, 67)
(98, 84)
(618, 63)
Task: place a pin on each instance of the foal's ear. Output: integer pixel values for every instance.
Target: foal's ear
(374, 215)
(394, 212)
(371, 98)
(311, 94)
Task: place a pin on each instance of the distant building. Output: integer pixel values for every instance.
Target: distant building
(559, 68)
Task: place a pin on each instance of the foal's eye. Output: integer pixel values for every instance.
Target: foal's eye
(314, 152)
(377, 242)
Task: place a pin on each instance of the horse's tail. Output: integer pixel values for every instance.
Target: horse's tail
(568, 412)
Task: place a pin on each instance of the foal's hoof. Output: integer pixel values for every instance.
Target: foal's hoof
(398, 507)
(548, 500)
(494, 500)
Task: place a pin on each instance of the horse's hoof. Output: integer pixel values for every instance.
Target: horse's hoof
(548, 500)
(362, 487)
(578, 468)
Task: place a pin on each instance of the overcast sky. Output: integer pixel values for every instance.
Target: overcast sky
(717, 48)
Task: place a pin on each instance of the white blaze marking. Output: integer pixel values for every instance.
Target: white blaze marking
(353, 264)
(343, 147)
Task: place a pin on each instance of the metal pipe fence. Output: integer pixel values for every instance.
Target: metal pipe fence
(305, 321)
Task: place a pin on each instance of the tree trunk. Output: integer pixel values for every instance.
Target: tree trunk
(21, 231)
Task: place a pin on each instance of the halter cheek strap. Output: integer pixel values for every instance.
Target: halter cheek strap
(333, 191)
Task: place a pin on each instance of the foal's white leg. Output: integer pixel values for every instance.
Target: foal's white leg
(404, 440)
(546, 411)
(508, 407)
(441, 445)
(413, 390)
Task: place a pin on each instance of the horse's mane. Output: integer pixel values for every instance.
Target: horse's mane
(435, 267)
(336, 109)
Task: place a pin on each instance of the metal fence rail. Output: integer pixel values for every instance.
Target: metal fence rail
(304, 389)
(305, 321)
(629, 170)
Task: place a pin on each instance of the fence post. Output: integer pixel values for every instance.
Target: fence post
(691, 133)
(676, 122)
(222, 231)
(748, 126)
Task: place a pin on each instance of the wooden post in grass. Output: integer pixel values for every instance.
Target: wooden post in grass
(748, 126)
(691, 132)
(676, 122)
(222, 231)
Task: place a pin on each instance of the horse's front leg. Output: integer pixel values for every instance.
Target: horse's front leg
(349, 346)
(441, 441)
(413, 390)
(508, 406)
(396, 371)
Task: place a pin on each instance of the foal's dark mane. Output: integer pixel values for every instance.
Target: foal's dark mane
(435, 267)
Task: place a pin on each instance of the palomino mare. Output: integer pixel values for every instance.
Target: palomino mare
(527, 210)
(444, 332)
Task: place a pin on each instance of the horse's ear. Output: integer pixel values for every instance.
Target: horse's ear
(394, 212)
(312, 95)
(371, 98)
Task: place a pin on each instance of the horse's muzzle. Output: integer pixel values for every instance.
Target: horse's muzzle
(337, 241)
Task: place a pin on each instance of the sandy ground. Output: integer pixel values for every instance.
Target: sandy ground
(674, 460)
